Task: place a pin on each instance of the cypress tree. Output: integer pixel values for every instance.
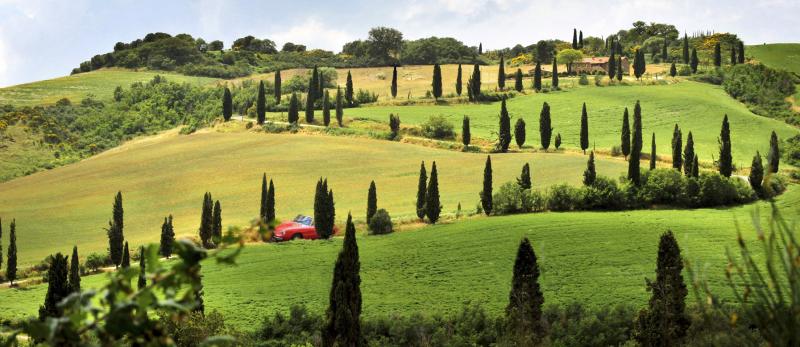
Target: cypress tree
(115, 231)
(57, 287)
(733, 55)
(590, 174)
(554, 82)
(612, 66)
(277, 84)
(694, 62)
(653, 156)
(475, 82)
(432, 205)
(773, 157)
(519, 132)
(518, 81)
(294, 109)
(126, 257)
(348, 89)
(326, 108)
(320, 197)
(685, 49)
(343, 322)
(11, 264)
(501, 74)
(677, 143)
(637, 64)
(756, 173)
(486, 193)
(545, 130)
(480, 48)
(524, 180)
(574, 38)
(331, 211)
(74, 283)
(636, 146)
(393, 88)
(504, 132)
(261, 103)
(619, 69)
(270, 215)
(313, 85)
(227, 104)
(725, 159)
(217, 218)
(524, 310)
(625, 138)
(372, 201)
(458, 81)
(142, 282)
(695, 167)
(717, 55)
(537, 77)
(740, 56)
(664, 322)
(584, 129)
(437, 81)
(167, 238)
(262, 214)
(421, 191)
(339, 107)
(688, 156)
(1, 243)
(206, 229)
(557, 142)
(673, 70)
(465, 134)
(310, 107)
(664, 51)
(580, 39)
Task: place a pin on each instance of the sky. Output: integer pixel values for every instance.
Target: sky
(46, 39)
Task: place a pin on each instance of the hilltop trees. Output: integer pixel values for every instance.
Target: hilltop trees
(343, 322)
(167, 238)
(756, 173)
(590, 174)
(432, 205)
(206, 230)
(554, 81)
(636, 146)
(774, 156)
(717, 55)
(57, 287)
(348, 89)
(519, 132)
(261, 103)
(518, 81)
(326, 108)
(584, 129)
(537, 77)
(465, 134)
(74, 281)
(524, 311)
(339, 107)
(625, 138)
(227, 104)
(458, 81)
(277, 87)
(524, 180)
(421, 191)
(11, 264)
(664, 322)
(653, 156)
(437, 81)
(501, 74)
(504, 132)
(115, 231)
(694, 61)
(324, 210)
(486, 193)
(393, 88)
(725, 159)
(677, 143)
(372, 201)
(545, 130)
(294, 109)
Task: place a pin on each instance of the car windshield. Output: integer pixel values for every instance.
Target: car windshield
(306, 220)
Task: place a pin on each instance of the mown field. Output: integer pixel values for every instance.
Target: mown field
(597, 258)
(169, 173)
(777, 55)
(694, 106)
(100, 83)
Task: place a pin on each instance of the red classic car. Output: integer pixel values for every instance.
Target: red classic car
(301, 227)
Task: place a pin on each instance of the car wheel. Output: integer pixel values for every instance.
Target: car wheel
(297, 237)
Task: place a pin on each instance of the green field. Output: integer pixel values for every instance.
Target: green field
(100, 83)
(169, 173)
(596, 258)
(777, 55)
(694, 106)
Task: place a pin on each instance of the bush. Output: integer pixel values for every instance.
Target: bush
(365, 97)
(380, 223)
(563, 197)
(509, 199)
(685, 70)
(603, 194)
(298, 328)
(772, 186)
(437, 127)
(662, 186)
(96, 261)
(716, 190)
(616, 151)
(583, 80)
(195, 328)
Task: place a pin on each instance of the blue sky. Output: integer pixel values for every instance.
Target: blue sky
(46, 39)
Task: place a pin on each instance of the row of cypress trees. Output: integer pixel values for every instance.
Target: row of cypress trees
(210, 230)
(324, 209)
(428, 200)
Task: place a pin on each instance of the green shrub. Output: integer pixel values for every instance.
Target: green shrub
(583, 80)
(365, 97)
(96, 261)
(195, 328)
(437, 127)
(298, 328)
(380, 223)
(509, 199)
(563, 197)
(662, 186)
(685, 70)
(603, 194)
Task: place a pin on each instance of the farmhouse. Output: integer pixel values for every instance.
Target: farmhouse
(597, 64)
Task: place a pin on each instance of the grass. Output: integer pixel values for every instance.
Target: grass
(777, 55)
(694, 106)
(597, 258)
(100, 83)
(169, 173)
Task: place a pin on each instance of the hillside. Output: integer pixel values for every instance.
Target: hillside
(168, 174)
(777, 55)
(597, 258)
(100, 83)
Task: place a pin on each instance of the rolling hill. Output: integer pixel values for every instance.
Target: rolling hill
(777, 55)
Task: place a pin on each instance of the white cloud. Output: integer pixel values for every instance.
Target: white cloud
(313, 34)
